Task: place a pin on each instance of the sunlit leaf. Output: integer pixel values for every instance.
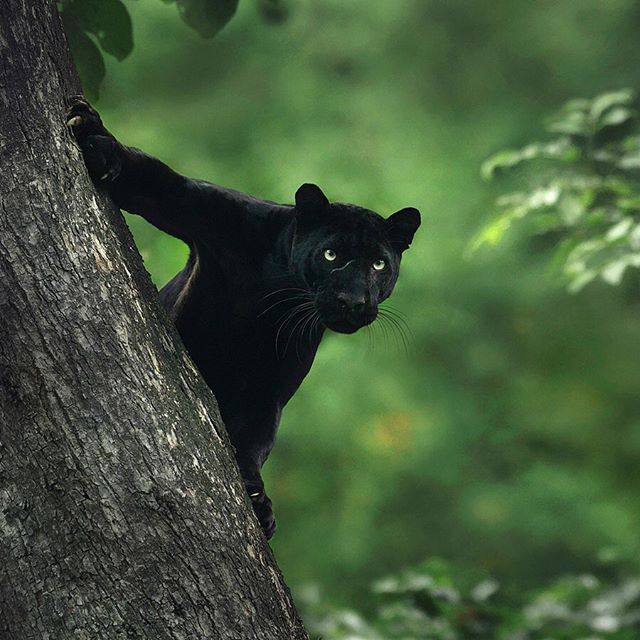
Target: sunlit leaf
(629, 161)
(628, 204)
(615, 117)
(580, 281)
(571, 209)
(605, 101)
(492, 233)
(484, 590)
(613, 272)
(560, 149)
(571, 123)
(592, 203)
(634, 238)
(619, 230)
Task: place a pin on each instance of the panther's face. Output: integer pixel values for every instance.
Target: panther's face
(348, 257)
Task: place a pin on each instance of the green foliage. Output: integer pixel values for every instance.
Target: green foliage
(86, 54)
(107, 23)
(583, 191)
(89, 23)
(426, 603)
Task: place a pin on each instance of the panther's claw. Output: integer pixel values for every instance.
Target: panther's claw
(76, 100)
(110, 175)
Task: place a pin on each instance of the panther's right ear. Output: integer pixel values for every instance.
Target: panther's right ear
(401, 226)
(310, 199)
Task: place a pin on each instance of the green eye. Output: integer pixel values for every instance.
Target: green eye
(330, 255)
(379, 265)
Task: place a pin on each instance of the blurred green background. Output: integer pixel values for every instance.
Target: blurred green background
(508, 440)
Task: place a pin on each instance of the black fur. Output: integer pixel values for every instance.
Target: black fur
(261, 285)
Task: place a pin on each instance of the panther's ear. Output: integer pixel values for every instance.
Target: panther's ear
(401, 226)
(310, 199)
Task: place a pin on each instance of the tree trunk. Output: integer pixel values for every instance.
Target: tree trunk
(122, 513)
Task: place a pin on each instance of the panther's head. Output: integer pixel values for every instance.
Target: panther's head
(348, 257)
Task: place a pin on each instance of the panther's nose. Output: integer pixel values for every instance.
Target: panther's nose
(352, 303)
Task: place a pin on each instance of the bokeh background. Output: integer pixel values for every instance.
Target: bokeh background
(507, 439)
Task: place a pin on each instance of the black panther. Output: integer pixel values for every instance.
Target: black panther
(262, 283)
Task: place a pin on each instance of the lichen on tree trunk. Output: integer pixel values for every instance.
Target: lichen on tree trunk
(122, 514)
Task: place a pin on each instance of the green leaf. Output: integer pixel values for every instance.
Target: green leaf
(502, 160)
(619, 230)
(602, 103)
(545, 196)
(492, 233)
(612, 273)
(207, 17)
(629, 204)
(571, 209)
(544, 222)
(108, 20)
(560, 149)
(629, 161)
(570, 123)
(86, 55)
(484, 590)
(615, 117)
(581, 281)
(577, 104)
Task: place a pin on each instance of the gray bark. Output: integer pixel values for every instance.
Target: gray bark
(122, 514)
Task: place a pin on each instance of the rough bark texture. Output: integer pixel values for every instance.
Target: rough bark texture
(122, 514)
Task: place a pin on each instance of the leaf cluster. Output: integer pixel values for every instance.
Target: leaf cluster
(426, 603)
(97, 26)
(581, 191)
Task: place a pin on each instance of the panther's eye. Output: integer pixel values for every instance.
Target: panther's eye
(379, 265)
(330, 255)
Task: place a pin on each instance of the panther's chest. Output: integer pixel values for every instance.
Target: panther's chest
(241, 352)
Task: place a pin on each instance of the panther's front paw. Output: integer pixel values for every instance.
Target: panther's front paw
(99, 147)
(83, 119)
(101, 157)
(264, 513)
(261, 504)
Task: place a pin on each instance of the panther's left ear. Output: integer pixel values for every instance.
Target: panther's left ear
(310, 199)
(401, 227)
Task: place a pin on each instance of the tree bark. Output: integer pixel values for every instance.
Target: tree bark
(122, 513)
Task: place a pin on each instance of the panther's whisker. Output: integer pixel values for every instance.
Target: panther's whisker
(370, 338)
(387, 322)
(383, 329)
(400, 317)
(303, 306)
(297, 306)
(308, 318)
(305, 320)
(398, 331)
(273, 293)
(388, 307)
(310, 326)
(293, 331)
(292, 313)
(275, 304)
(315, 326)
